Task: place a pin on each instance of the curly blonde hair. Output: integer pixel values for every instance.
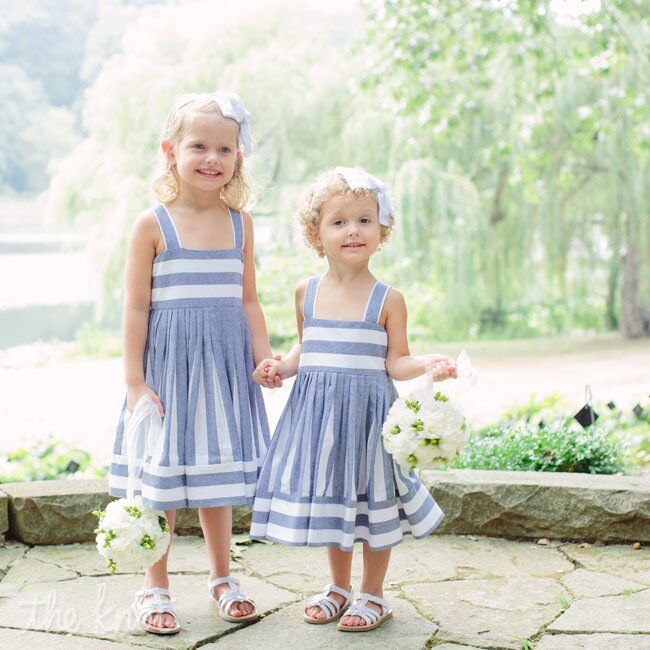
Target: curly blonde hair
(319, 191)
(236, 193)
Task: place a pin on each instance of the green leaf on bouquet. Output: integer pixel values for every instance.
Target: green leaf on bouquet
(414, 405)
(112, 567)
(148, 543)
(418, 425)
(396, 429)
(164, 526)
(439, 397)
(109, 537)
(134, 511)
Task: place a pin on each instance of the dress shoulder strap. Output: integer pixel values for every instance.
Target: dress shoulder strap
(309, 302)
(376, 302)
(238, 227)
(167, 227)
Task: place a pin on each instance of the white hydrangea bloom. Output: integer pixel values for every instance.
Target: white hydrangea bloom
(123, 529)
(424, 429)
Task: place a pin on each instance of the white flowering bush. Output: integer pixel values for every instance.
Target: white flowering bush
(130, 535)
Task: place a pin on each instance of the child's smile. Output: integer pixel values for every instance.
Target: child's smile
(206, 156)
(349, 227)
(210, 173)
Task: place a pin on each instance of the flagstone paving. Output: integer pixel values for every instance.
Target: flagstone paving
(447, 593)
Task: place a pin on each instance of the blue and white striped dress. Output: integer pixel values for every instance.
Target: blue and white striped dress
(199, 360)
(327, 479)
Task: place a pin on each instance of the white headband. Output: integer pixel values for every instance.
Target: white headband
(360, 179)
(231, 106)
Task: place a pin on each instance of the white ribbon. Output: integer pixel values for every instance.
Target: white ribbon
(231, 106)
(141, 430)
(360, 179)
(466, 377)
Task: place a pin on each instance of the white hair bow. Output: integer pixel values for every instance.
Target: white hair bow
(231, 106)
(358, 179)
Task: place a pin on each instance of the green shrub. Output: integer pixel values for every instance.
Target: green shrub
(562, 447)
(96, 342)
(632, 431)
(46, 460)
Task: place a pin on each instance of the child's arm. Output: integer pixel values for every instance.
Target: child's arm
(254, 314)
(399, 362)
(137, 301)
(270, 370)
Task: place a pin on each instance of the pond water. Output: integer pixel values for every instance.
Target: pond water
(47, 286)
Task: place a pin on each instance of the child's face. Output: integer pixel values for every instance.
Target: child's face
(349, 229)
(206, 155)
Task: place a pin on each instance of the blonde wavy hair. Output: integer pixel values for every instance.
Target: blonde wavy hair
(236, 193)
(318, 192)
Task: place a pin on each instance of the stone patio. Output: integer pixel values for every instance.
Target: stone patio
(447, 592)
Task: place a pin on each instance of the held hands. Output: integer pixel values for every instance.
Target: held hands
(135, 391)
(269, 372)
(440, 366)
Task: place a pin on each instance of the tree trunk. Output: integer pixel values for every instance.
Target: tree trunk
(612, 320)
(632, 322)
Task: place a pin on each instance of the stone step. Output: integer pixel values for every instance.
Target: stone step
(575, 507)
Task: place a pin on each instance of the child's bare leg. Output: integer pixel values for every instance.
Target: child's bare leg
(217, 527)
(156, 576)
(340, 570)
(375, 565)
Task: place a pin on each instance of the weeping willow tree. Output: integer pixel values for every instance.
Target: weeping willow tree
(545, 116)
(513, 138)
(283, 60)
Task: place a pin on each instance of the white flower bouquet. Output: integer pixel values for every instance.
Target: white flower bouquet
(427, 427)
(132, 536)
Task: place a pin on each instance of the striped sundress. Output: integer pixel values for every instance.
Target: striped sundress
(327, 479)
(199, 360)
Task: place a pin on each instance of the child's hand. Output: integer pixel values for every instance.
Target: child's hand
(136, 391)
(440, 366)
(269, 372)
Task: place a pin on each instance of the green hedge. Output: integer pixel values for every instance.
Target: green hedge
(562, 447)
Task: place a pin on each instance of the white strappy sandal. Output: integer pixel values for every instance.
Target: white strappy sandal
(144, 608)
(332, 609)
(370, 616)
(233, 594)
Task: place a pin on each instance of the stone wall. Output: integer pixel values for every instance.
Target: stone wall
(4, 515)
(577, 507)
(580, 507)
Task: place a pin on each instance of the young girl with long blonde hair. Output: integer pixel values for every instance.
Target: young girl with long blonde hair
(193, 331)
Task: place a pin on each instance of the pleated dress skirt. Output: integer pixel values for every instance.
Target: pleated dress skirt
(327, 479)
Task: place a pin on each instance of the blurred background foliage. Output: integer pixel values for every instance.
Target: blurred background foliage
(514, 138)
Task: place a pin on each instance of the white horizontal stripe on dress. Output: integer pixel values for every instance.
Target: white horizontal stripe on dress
(355, 361)
(325, 536)
(413, 505)
(337, 510)
(433, 516)
(193, 470)
(187, 492)
(196, 291)
(168, 267)
(344, 335)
